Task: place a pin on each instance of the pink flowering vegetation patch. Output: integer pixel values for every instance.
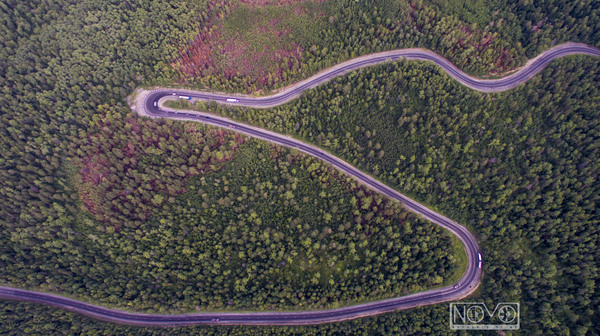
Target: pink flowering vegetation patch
(129, 167)
(253, 43)
(197, 59)
(267, 63)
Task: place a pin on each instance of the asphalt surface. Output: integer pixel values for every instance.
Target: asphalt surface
(466, 285)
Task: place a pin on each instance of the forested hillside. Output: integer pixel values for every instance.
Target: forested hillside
(101, 204)
(520, 168)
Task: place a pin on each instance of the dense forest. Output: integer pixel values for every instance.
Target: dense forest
(520, 168)
(87, 187)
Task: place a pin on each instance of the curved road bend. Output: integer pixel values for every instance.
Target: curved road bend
(467, 283)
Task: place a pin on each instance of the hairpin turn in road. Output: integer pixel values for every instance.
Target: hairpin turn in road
(151, 106)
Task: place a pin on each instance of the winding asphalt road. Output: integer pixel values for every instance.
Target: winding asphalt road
(530, 69)
(151, 107)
